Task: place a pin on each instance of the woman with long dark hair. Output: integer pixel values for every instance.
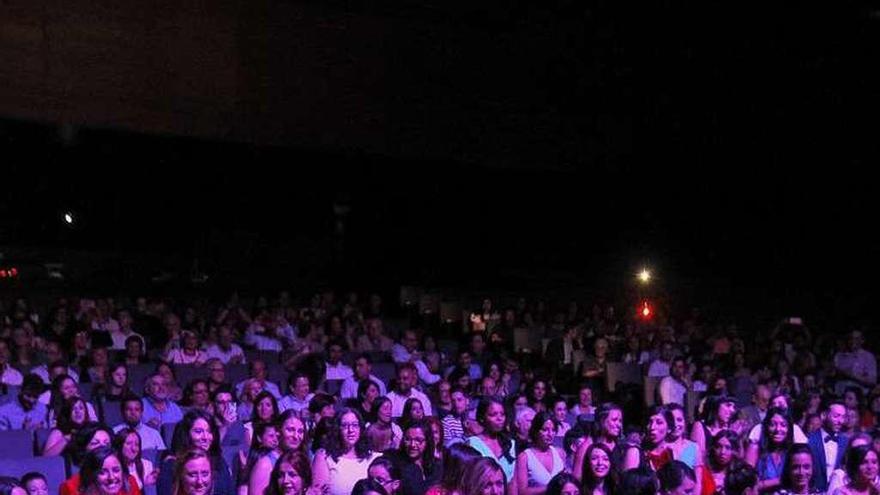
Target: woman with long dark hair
(768, 455)
(115, 386)
(196, 431)
(257, 468)
(539, 463)
(346, 455)
(265, 410)
(720, 415)
(73, 415)
(413, 411)
(598, 477)
(563, 484)
(103, 473)
(798, 472)
(64, 388)
(292, 432)
(607, 430)
(494, 442)
(367, 393)
(720, 459)
(458, 457)
(92, 436)
(654, 451)
(384, 471)
(292, 475)
(415, 458)
(861, 472)
(127, 443)
(383, 433)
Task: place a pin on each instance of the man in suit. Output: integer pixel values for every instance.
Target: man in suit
(827, 444)
(559, 356)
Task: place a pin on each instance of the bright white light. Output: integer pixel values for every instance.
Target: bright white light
(644, 276)
(68, 218)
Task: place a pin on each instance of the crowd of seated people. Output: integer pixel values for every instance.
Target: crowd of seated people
(327, 397)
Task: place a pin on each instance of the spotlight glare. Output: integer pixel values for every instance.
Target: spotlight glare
(644, 276)
(68, 218)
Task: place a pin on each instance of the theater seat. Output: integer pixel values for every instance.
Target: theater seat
(51, 467)
(16, 444)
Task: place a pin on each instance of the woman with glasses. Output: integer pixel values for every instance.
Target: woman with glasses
(346, 455)
(418, 465)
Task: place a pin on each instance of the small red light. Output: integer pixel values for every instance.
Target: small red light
(646, 310)
(2, 273)
(13, 272)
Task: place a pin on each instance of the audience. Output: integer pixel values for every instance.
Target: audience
(500, 422)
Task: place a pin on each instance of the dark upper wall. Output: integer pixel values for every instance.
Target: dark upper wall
(499, 86)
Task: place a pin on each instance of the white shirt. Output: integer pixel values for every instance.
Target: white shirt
(11, 376)
(567, 350)
(830, 454)
(291, 402)
(797, 436)
(150, 438)
(338, 371)
(267, 385)
(400, 355)
(350, 387)
(671, 391)
(658, 369)
(119, 337)
(215, 351)
(108, 325)
(397, 402)
(262, 342)
(179, 356)
(42, 371)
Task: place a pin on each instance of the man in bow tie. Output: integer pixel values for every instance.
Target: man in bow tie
(827, 444)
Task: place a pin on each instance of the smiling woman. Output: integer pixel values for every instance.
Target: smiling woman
(102, 473)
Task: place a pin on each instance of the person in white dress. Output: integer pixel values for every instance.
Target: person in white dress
(538, 464)
(346, 457)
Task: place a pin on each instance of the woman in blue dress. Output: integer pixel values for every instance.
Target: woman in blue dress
(772, 447)
(494, 441)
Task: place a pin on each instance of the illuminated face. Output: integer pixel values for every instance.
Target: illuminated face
(265, 411)
(289, 481)
(560, 411)
(539, 390)
(131, 447)
(459, 402)
(37, 486)
(868, 468)
(778, 429)
(69, 388)
(201, 435)
(801, 470)
(384, 413)
(834, 418)
(156, 388)
(79, 413)
(269, 438)
(119, 376)
(362, 368)
(371, 393)
(493, 483)
(680, 423)
(414, 443)
(99, 439)
(570, 489)
(726, 410)
(197, 477)
(600, 464)
(585, 398)
(495, 417)
(416, 410)
(548, 430)
(723, 451)
(110, 476)
(301, 387)
(405, 377)
(613, 424)
(657, 429)
(258, 370)
(350, 428)
(293, 432)
(381, 475)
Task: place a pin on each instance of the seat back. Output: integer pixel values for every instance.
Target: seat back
(16, 444)
(51, 467)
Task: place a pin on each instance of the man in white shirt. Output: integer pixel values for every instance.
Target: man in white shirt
(132, 414)
(259, 373)
(374, 338)
(406, 380)
(857, 366)
(335, 368)
(406, 352)
(225, 350)
(299, 394)
(673, 388)
(660, 366)
(124, 330)
(8, 374)
(54, 355)
(363, 368)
